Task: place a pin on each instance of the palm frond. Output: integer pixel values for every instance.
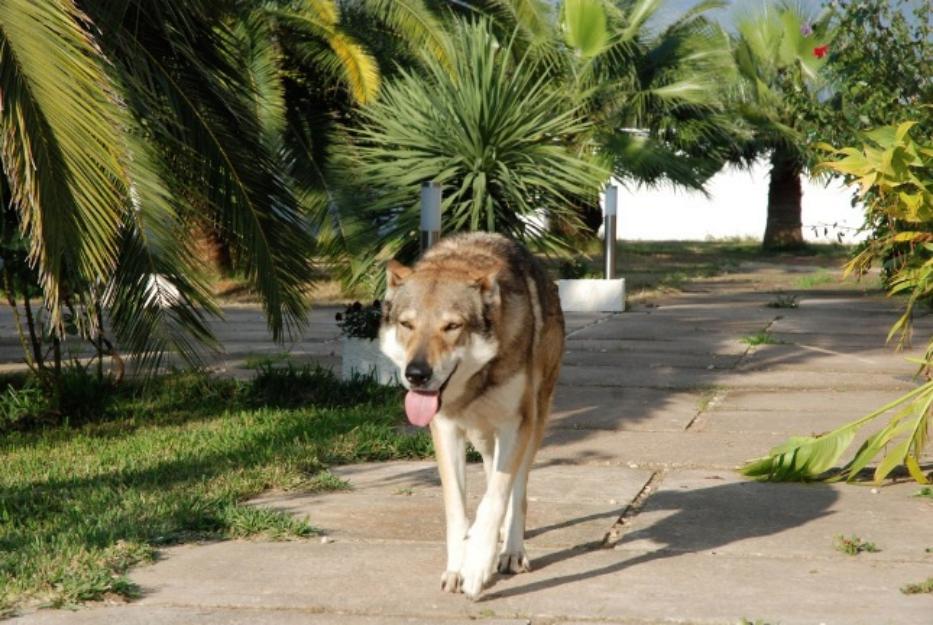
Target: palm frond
(417, 26)
(158, 300)
(811, 457)
(316, 42)
(60, 125)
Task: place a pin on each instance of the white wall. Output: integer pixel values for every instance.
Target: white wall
(736, 207)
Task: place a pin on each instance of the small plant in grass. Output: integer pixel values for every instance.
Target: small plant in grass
(783, 300)
(921, 588)
(853, 545)
(359, 321)
(926, 491)
(761, 338)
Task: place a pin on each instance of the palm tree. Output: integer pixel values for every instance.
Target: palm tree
(125, 122)
(779, 53)
(655, 97)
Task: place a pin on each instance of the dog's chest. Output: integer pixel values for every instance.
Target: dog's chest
(498, 403)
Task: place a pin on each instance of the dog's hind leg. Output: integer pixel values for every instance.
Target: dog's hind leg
(450, 450)
(513, 559)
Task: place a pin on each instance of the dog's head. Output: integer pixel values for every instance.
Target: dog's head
(437, 321)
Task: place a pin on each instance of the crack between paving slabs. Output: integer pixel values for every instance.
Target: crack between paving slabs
(632, 509)
(719, 394)
(603, 319)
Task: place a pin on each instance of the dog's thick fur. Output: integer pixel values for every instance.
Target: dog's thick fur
(479, 310)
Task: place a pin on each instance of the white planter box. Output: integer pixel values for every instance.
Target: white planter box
(592, 295)
(363, 357)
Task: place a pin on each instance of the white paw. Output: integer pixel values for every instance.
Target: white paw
(511, 563)
(474, 575)
(451, 581)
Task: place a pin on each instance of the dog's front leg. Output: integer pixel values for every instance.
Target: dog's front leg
(483, 538)
(450, 451)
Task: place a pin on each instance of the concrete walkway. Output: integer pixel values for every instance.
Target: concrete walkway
(636, 515)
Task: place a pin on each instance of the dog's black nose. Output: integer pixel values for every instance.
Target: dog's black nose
(418, 372)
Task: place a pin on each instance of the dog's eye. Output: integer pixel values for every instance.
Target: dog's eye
(406, 324)
(450, 327)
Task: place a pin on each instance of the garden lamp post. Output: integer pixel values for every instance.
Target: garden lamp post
(610, 213)
(430, 214)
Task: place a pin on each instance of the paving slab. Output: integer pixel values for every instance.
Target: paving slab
(685, 378)
(720, 450)
(851, 402)
(147, 615)
(717, 512)
(649, 326)
(653, 586)
(832, 341)
(843, 359)
(698, 344)
(568, 505)
(617, 408)
(647, 359)
(576, 321)
(784, 422)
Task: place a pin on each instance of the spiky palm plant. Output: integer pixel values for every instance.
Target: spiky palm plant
(490, 127)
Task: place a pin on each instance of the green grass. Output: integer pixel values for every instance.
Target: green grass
(815, 279)
(264, 360)
(761, 338)
(650, 266)
(926, 492)
(924, 587)
(174, 463)
(853, 545)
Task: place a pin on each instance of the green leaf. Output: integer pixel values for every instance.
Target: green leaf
(584, 23)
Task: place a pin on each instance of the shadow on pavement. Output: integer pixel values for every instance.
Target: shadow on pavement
(698, 520)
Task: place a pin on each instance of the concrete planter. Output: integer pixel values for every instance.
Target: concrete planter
(363, 357)
(592, 295)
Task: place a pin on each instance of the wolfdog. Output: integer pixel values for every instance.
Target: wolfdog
(477, 332)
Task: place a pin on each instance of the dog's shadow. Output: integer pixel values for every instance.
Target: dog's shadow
(703, 519)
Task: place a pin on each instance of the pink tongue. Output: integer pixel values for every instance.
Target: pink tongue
(421, 407)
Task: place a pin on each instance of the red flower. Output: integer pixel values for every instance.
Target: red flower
(820, 51)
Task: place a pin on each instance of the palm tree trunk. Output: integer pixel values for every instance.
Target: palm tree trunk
(784, 228)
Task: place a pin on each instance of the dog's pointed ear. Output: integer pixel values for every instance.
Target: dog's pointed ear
(487, 282)
(396, 273)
